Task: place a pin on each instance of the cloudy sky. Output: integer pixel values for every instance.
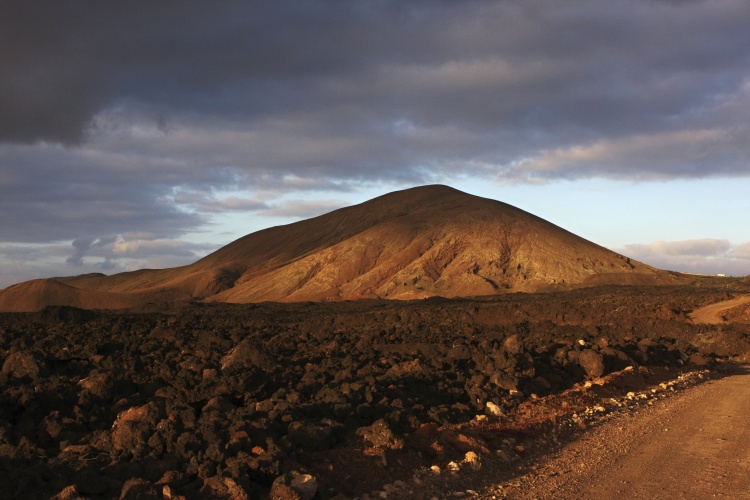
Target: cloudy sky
(147, 134)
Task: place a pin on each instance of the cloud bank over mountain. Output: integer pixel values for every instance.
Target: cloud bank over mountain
(142, 117)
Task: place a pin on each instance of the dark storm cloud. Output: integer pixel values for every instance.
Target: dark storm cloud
(582, 68)
(51, 194)
(112, 113)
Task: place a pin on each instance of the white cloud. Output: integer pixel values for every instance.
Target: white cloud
(303, 208)
(638, 157)
(741, 251)
(703, 256)
(110, 254)
(209, 202)
(705, 247)
(146, 249)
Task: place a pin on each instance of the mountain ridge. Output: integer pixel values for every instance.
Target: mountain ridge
(411, 244)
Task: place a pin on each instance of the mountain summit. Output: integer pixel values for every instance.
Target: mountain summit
(417, 243)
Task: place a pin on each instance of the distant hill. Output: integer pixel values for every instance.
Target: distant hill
(417, 243)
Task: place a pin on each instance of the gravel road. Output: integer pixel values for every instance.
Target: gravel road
(693, 445)
(713, 313)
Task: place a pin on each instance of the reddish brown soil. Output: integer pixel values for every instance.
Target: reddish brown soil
(221, 400)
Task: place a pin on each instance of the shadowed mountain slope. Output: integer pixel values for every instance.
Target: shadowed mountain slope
(421, 242)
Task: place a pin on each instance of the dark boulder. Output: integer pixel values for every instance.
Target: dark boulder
(21, 364)
(380, 435)
(311, 437)
(592, 363)
(248, 352)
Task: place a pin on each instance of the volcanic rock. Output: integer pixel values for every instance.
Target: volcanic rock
(68, 493)
(98, 385)
(89, 481)
(358, 393)
(294, 486)
(247, 353)
(138, 488)
(20, 364)
(471, 461)
(133, 427)
(380, 435)
(223, 487)
(310, 436)
(462, 442)
(592, 362)
(493, 409)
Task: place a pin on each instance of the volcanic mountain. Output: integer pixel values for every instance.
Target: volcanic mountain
(421, 242)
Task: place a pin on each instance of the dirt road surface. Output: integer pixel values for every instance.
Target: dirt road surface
(693, 445)
(712, 314)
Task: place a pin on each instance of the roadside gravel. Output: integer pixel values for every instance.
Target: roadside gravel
(691, 445)
(684, 436)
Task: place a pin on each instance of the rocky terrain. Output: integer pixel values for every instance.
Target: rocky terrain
(422, 242)
(373, 398)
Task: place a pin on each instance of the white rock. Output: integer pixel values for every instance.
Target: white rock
(493, 409)
(305, 484)
(472, 461)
